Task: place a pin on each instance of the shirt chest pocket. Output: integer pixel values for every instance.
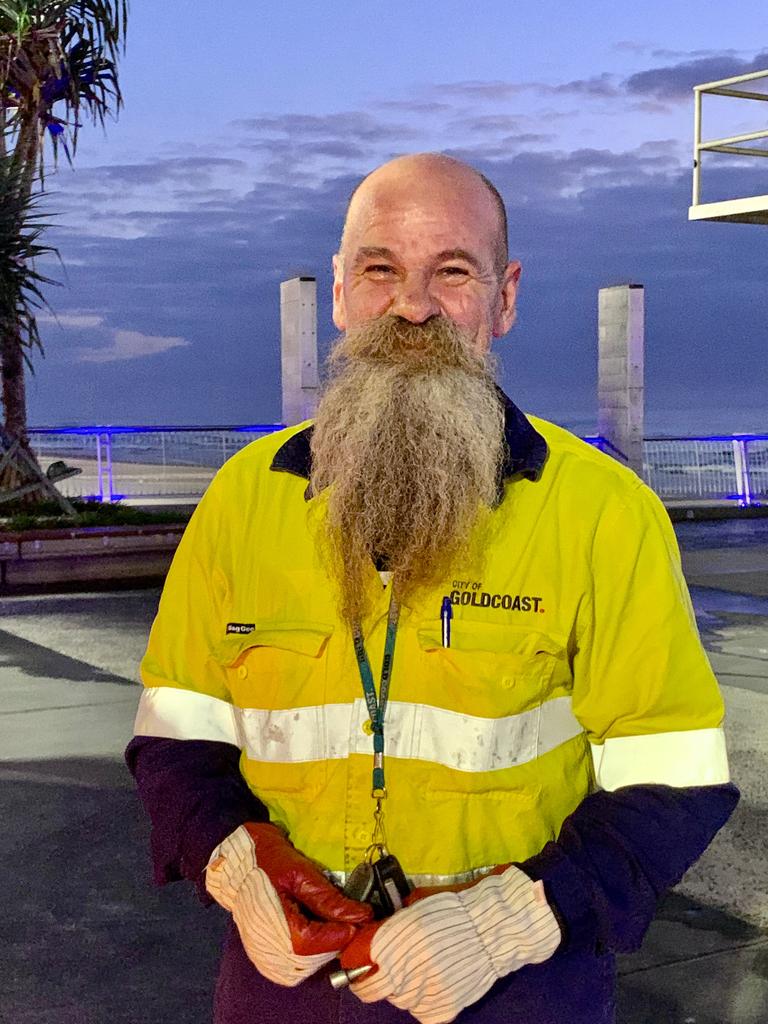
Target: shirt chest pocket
(499, 709)
(277, 666)
(490, 670)
(277, 676)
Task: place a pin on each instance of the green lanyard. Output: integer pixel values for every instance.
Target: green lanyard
(377, 708)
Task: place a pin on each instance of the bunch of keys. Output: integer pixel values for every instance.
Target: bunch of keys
(380, 881)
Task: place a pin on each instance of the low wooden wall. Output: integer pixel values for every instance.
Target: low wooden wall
(35, 558)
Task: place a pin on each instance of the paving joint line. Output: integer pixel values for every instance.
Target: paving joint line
(66, 707)
(752, 944)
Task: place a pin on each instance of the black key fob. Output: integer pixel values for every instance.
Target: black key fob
(390, 886)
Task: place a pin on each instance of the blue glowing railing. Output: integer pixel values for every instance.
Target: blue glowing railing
(176, 464)
(710, 468)
(158, 464)
(731, 468)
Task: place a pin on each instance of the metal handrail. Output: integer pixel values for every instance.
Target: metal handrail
(749, 77)
(601, 442)
(729, 144)
(154, 466)
(731, 140)
(255, 428)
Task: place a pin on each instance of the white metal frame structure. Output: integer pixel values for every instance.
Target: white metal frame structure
(749, 210)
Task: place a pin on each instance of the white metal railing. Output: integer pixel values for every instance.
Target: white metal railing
(142, 463)
(176, 464)
(707, 469)
(750, 209)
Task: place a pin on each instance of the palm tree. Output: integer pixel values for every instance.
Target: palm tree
(53, 53)
(20, 295)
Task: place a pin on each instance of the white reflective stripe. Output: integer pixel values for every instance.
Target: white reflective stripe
(465, 743)
(418, 731)
(696, 757)
(340, 877)
(186, 715)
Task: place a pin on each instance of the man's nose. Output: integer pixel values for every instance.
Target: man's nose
(414, 301)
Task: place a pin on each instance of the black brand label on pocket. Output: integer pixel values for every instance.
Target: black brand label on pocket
(240, 627)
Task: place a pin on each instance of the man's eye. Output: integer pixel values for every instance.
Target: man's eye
(380, 269)
(456, 272)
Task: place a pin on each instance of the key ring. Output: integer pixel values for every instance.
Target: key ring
(379, 836)
(375, 852)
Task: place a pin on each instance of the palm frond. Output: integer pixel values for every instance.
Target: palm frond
(21, 226)
(59, 53)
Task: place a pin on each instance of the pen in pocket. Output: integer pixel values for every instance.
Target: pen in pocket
(446, 614)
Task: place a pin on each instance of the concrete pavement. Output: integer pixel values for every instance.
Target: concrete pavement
(85, 938)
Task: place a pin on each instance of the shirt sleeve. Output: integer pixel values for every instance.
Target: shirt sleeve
(185, 753)
(652, 710)
(195, 797)
(643, 687)
(186, 693)
(619, 852)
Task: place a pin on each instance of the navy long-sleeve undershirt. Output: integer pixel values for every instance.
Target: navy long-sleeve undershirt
(615, 856)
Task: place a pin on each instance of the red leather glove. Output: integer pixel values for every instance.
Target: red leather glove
(299, 883)
(357, 952)
(291, 919)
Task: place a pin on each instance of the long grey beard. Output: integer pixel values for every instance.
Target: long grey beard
(410, 434)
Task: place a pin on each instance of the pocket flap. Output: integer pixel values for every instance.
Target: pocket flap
(300, 638)
(490, 636)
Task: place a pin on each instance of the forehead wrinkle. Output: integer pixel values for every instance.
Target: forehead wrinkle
(365, 252)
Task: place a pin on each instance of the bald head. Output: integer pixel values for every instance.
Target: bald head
(425, 235)
(424, 176)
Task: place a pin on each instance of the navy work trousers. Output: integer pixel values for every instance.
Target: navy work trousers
(570, 988)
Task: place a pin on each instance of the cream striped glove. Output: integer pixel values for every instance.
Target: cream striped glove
(442, 953)
(267, 885)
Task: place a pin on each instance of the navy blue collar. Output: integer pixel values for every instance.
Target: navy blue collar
(525, 450)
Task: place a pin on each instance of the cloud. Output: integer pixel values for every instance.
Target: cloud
(73, 319)
(346, 125)
(213, 237)
(486, 123)
(667, 83)
(418, 107)
(598, 87)
(665, 54)
(673, 82)
(192, 170)
(283, 151)
(603, 86)
(476, 89)
(128, 345)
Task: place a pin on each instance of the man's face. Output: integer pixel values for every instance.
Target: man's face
(421, 241)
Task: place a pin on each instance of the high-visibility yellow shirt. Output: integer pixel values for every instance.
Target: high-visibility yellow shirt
(574, 663)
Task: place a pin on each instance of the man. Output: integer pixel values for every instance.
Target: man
(550, 759)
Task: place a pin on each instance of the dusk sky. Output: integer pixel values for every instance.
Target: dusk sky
(244, 132)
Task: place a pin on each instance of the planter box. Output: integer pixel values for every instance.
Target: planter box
(41, 558)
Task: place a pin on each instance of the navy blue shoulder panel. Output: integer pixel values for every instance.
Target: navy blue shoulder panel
(525, 450)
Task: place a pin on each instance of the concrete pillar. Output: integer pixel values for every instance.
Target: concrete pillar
(298, 329)
(621, 343)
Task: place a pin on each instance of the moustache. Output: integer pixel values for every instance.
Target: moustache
(395, 341)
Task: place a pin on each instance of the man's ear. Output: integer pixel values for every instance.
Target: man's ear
(339, 307)
(506, 311)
